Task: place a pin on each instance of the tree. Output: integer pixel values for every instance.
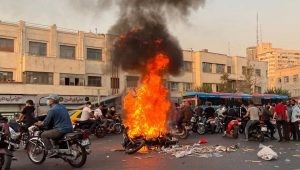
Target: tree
(226, 85)
(278, 91)
(204, 88)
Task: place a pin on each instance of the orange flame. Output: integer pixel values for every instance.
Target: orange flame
(146, 111)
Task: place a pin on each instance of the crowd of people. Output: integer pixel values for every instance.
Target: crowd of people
(283, 116)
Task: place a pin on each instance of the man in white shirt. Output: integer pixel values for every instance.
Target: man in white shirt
(98, 113)
(295, 120)
(253, 112)
(87, 115)
(86, 112)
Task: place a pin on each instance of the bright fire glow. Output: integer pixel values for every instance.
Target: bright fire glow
(146, 111)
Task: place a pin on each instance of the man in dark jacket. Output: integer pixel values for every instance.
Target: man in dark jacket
(186, 114)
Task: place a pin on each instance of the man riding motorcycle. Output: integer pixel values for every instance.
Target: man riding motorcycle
(185, 115)
(231, 114)
(253, 112)
(57, 122)
(88, 115)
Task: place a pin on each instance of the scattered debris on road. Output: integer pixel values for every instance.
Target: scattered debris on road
(198, 150)
(266, 153)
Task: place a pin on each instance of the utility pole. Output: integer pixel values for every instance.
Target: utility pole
(257, 37)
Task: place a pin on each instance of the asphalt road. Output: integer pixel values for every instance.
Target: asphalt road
(104, 157)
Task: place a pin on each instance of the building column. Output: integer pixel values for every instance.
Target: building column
(80, 50)
(20, 46)
(53, 46)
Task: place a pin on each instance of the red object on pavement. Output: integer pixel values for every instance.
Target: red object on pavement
(202, 140)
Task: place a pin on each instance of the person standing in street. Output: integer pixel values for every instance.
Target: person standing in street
(280, 114)
(290, 128)
(253, 113)
(266, 116)
(295, 119)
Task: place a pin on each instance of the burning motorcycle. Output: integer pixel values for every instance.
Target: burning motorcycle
(132, 145)
(71, 148)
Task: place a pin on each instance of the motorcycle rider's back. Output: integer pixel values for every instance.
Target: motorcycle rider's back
(253, 112)
(59, 123)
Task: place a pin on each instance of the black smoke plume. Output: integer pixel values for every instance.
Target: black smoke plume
(143, 33)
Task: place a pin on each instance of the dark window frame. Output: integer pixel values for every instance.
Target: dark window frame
(42, 78)
(93, 82)
(93, 52)
(41, 52)
(8, 46)
(67, 47)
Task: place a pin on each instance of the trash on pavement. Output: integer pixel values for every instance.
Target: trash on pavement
(252, 161)
(198, 150)
(266, 153)
(297, 156)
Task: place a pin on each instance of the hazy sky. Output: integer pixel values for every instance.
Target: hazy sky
(215, 26)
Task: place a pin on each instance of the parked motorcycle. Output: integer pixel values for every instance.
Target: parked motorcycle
(258, 131)
(99, 131)
(206, 125)
(219, 122)
(113, 125)
(70, 148)
(6, 145)
(232, 129)
(182, 132)
(195, 121)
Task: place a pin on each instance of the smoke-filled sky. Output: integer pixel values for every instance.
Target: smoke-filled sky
(216, 25)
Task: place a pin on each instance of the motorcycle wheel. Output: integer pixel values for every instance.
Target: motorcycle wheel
(235, 132)
(201, 129)
(241, 130)
(135, 146)
(77, 163)
(100, 132)
(36, 148)
(5, 160)
(184, 134)
(261, 137)
(117, 128)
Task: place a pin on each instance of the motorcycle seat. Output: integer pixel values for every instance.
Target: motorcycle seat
(72, 135)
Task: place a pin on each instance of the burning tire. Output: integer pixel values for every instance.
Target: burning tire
(135, 146)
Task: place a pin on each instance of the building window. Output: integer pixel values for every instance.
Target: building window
(37, 48)
(229, 69)
(207, 67)
(286, 79)
(71, 80)
(187, 66)
(94, 54)
(6, 76)
(279, 80)
(38, 77)
(67, 52)
(94, 81)
(219, 87)
(257, 72)
(295, 78)
(207, 85)
(173, 86)
(257, 89)
(115, 82)
(187, 86)
(6, 45)
(244, 70)
(220, 68)
(132, 81)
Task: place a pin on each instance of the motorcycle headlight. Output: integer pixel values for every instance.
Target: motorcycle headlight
(193, 119)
